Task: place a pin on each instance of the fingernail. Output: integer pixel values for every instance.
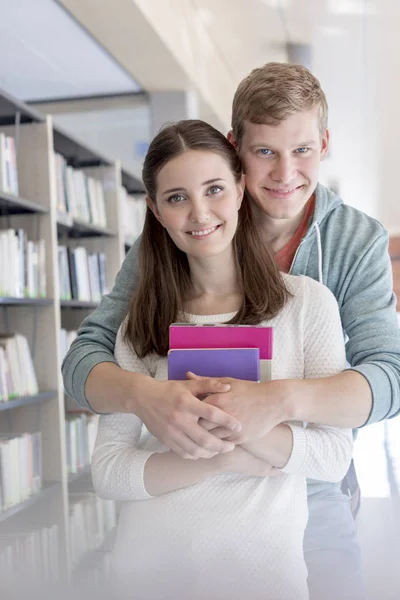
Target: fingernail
(229, 449)
(224, 385)
(236, 427)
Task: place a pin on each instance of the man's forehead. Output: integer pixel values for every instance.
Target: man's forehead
(300, 129)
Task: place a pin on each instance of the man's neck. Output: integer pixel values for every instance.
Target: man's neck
(278, 232)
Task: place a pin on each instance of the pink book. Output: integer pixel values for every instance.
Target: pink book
(192, 335)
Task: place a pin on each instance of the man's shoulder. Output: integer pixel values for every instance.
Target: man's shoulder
(348, 226)
(347, 216)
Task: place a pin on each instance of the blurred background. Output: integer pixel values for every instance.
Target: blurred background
(85, 84)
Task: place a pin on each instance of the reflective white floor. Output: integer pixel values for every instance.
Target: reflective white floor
(377, 458)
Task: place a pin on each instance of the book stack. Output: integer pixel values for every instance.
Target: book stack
(8, 165)
(20, 468)
(30, 553)
(83, 275)
(90, 520)
(214, 350)
(17, 372)
(78, 195)
(80, 433)
(133, 214)
(23, 265)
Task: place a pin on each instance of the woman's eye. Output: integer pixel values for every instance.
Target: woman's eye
(215, 189)
(176, 199)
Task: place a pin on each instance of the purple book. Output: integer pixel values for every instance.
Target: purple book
(241, 363)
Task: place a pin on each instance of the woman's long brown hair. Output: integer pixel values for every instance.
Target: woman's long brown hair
(164, 275)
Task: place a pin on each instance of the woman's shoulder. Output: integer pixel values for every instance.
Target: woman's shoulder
(308, 296)
(301, 286)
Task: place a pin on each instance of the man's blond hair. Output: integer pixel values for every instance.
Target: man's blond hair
(273, 92)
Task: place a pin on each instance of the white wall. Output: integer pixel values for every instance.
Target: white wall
(344, 65)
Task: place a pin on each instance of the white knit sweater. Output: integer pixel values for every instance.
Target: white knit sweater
(231, 536)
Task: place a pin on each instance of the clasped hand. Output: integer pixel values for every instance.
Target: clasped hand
(257, 407)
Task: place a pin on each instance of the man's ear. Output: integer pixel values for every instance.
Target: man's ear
(325, 144)
(153, 207)
(232, 139)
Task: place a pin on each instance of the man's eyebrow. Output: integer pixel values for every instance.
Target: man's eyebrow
(182, 189)
(271, 147)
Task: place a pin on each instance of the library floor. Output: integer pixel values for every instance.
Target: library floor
(377, 458)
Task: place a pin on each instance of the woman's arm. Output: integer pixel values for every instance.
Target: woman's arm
(122, 471)
(317, 452)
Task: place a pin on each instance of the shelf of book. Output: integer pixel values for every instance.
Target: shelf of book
(13, 205)
(74, 228)
(84, 476)
(35, 499)
(48, 216)
(93, 557)
(27, 400)
(7, 301)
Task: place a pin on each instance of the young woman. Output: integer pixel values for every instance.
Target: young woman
(218, 527)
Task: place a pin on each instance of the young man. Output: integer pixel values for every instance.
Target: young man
(279, 126)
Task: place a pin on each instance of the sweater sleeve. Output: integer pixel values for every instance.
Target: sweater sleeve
(96, 336)
(368, 310)
(321, 452)
(117, 461)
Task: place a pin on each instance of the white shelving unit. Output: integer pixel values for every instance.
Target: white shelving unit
(40, 320)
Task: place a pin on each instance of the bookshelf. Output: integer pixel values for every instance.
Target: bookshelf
(19, 206)
(40, 319)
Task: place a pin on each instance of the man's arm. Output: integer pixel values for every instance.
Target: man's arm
(367, 392)
(370, 390)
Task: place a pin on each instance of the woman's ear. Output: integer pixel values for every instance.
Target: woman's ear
(241, 187)
(153, 207)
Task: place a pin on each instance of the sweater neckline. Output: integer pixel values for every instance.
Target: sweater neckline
(201, 319)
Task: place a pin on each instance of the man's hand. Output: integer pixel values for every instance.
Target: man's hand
(257, 406)
(171, 411)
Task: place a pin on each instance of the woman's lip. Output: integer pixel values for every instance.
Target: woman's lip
(203, 233)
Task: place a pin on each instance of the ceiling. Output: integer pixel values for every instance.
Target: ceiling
(45, 54)
(249, 33)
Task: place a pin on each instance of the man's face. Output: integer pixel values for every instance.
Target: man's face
(282, 163)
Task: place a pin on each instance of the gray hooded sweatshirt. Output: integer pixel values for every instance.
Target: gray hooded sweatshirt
(344, 249)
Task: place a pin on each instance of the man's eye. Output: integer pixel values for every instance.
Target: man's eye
(302, 150)
(264, 151)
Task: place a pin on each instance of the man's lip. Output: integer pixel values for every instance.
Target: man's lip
(284, 190)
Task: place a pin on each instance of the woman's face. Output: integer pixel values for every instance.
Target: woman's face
(197, 202)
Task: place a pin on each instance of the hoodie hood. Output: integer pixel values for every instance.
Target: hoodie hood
(325, 202)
